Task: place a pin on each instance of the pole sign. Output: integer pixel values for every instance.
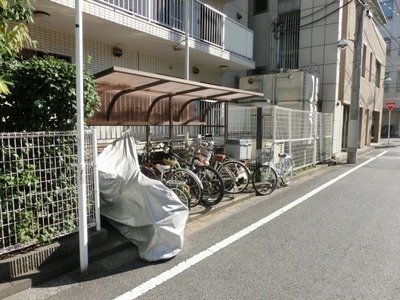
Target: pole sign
(390, 105)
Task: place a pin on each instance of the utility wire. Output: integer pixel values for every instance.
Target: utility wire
(324, 17)
(318, 10)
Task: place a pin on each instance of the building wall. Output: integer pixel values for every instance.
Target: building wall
(391, 31)
(264, 42)
(318, 54)
(237, 10)
(101, 57)
(323, 23)
(371, 83)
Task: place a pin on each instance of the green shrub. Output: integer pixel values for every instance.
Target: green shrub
(43, 96)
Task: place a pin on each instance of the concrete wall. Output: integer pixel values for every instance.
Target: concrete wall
(323, 24)
(392, 32)
(371, 96)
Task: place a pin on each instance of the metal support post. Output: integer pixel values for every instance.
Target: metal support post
(259, 135)
(96, 181)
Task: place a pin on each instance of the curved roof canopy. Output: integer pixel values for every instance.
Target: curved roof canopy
(119, 81)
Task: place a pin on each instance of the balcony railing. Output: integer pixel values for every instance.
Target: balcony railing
(206, 23)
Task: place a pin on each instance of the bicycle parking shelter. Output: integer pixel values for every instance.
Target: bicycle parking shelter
(130, 97)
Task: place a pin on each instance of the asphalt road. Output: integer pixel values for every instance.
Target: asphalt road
(332, 234)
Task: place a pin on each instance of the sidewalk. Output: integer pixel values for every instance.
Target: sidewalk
(62, 257)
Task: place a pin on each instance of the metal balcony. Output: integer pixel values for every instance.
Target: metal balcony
(206, 23)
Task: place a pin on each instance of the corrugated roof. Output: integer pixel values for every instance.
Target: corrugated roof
(119, 81)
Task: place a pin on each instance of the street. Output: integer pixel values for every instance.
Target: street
(334, 233)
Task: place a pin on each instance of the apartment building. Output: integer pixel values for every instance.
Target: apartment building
(391, 34)
(303, 34)
(203, 42)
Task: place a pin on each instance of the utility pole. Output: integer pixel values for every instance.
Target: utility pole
(352, 135)
(81, 168)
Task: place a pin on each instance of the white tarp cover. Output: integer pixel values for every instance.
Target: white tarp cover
(146, 212)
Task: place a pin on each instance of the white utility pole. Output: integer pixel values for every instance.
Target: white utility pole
(83, 232)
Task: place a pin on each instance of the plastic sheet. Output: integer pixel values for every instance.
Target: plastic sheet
(145, 211)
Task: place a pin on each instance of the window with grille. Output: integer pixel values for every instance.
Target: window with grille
(288, 41)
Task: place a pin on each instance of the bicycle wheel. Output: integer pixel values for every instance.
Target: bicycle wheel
(286, 170)
(213, 185)
(181, 190)
(264, 180)
(235, 176)
(191, 180)
(146, 171)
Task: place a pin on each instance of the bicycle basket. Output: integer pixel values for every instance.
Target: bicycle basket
(264, 157)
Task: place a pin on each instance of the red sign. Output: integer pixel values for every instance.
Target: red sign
(390, 105)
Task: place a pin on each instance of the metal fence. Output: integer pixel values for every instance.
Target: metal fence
(38, 187)
(305, 135)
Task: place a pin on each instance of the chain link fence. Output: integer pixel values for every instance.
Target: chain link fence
(39, 187)
(307, 136)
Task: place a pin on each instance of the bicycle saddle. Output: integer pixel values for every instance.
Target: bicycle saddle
(162, 168)
(218, 157)
(169, 162)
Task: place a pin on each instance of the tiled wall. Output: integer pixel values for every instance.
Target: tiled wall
(101, 57)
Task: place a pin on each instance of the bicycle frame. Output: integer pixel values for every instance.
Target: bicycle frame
(278, 168)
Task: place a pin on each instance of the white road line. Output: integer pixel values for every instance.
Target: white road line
(178, 269)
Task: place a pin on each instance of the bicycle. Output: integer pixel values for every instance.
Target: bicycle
(235, 174)
(266, 176)
(213, 185)
(186, 184)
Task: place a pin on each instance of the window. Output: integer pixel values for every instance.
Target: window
(388, 46)
(386, 84)
(371, 57)
(28, 53)
(289, 41)
(260, 6)
(364, 61)
(387, 8)
(378, 74)
(398, 43)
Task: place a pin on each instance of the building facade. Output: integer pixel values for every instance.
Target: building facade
(391, 34)
(147, 35)
(301, 34)
(206, 41)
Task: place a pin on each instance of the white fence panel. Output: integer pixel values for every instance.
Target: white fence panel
(38, 187)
